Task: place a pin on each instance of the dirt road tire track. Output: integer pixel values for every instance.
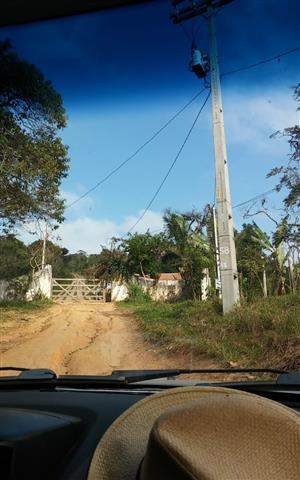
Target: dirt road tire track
(84, 339)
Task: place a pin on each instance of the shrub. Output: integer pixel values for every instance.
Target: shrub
(265, 333)
(24, 305)
(136, 293)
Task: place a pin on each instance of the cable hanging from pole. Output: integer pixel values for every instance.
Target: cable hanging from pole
(170, 167)
(261, 62)
(257, 197)
(253, 199)
(115, 170)
(186, 33)
(138, 150)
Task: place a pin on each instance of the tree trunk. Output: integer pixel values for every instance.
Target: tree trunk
(241, 286)
(265, 290)
(291, 272)
(281, 287)
(142, 271)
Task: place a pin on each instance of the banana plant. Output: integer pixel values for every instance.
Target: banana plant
(276, 249)
(181, 230)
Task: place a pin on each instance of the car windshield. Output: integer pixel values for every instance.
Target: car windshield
(149, 177)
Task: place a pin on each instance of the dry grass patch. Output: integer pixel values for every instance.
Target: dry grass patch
(265, 333)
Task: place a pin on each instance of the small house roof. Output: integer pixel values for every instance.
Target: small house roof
(170, 276)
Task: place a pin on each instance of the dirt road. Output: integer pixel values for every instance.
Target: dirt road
(83, 339)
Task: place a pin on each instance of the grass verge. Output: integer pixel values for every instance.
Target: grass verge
(265, 333)
(24, 306)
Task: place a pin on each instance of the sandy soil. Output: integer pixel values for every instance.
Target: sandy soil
(83, 339)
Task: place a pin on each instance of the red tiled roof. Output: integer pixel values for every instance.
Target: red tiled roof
(170, 276)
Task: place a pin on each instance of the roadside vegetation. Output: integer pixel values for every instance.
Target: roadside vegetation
(23, 305)
(34, 160)
(263, 333)
(265, 330)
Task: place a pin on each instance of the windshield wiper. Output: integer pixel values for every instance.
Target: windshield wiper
(29, 373)
(46, 377)
(129, 376)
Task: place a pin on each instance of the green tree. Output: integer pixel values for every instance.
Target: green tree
(188, 240)
(170, 262)
(33, 160)
(251, 261)
(144, 253)
(111, 265)
(276, 250)
(14, 258)
(138, 254)
(289, 178)
(183, 247)
(74, 263)
(53, 254)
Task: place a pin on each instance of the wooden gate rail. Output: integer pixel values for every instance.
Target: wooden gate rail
(78, 290)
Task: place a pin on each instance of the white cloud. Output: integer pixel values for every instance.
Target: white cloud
(30, 231)
(89, 234)
(86, 233)
(251, 117)
(80, 207)
(151, 220)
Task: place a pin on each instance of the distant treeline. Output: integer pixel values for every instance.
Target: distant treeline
(267, 265)
(17, 259)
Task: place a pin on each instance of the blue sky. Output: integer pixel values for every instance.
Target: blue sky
(123, 73)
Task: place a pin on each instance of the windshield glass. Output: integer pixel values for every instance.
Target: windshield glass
(149, 210)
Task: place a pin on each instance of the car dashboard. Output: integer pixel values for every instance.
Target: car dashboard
(52, 433)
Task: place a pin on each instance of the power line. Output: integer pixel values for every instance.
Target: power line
(186, 33)
(115, 170)
(261, 62)
(257, 197)
(171, 166)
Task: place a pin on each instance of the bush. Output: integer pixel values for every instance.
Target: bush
(35, 304)
(17, 288)
(136, 293)
(265, 333)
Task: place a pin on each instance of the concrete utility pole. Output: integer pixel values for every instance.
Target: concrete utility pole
(228, 264)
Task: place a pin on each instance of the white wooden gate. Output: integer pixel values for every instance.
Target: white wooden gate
(78, 290)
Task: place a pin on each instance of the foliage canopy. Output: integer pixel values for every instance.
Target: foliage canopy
(33, 158)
